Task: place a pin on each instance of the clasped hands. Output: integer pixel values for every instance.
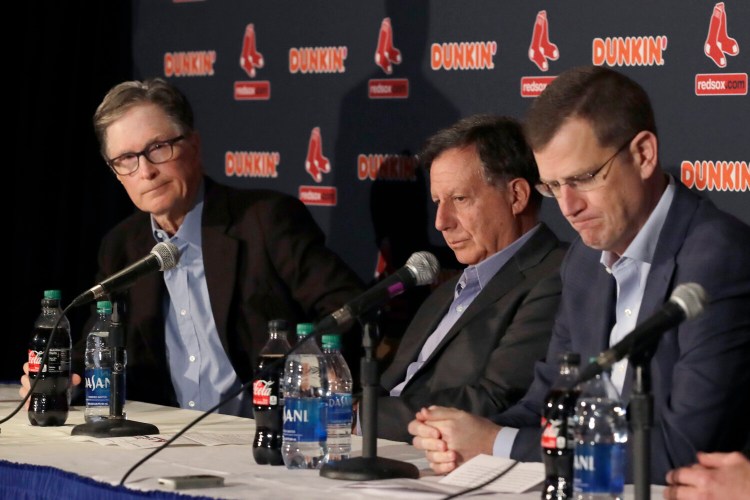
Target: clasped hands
(450, 437)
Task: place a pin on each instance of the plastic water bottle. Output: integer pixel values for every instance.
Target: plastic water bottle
(98, 365)
(304, 435)
(558, 422)
(339, 399)
(601, 433)
(50, 401)
(268, 398)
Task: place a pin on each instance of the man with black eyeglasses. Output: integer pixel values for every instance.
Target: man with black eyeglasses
(642, 233)
(246, 256)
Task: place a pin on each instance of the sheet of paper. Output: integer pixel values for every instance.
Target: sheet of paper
(156, 440)
(481, 468)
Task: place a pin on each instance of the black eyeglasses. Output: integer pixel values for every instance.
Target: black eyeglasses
(583, 182)
(156, 152)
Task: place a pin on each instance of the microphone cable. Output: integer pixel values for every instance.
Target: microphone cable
(482, 485)
(274, 364)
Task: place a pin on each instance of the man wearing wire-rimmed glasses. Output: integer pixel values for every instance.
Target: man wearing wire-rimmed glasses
(642, 233)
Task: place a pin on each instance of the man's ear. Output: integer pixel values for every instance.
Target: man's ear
(519, 193)
(644, 148)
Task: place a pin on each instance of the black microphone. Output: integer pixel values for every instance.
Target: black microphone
(162, 257)
(422, 268)
(686, 302)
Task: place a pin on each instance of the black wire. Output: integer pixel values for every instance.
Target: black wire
(482, 485)
(230, 397)
(42, 365)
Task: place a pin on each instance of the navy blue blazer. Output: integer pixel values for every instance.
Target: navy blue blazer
(700, 370)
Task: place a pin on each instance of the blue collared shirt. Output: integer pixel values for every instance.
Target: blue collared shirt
(630, 272)
(201, 372)
(469, 286)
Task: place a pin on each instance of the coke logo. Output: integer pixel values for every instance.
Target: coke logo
(262, 387)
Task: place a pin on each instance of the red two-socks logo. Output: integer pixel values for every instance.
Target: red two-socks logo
(541, 49)
(386, 55)
(718, 43)
(250, 58)
(316, 164)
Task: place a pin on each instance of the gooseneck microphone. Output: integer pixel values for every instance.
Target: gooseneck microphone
(162, 257)
(421, 268)
(686, 302)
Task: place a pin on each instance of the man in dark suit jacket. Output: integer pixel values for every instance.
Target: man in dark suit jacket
(475, 348)
(641, 235)
(194, 333)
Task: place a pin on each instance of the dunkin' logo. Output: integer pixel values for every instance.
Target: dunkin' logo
(463, 55)
(317, 59)
(541, 49)
(192, 63)
(716, 175)
(386, 167)
(257, 164)
(629, 51)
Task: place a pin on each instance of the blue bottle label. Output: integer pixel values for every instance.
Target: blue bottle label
(304, 420)
(98, 386)
(340, 409)
(599, 468)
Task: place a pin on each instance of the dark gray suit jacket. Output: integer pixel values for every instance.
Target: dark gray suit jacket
(700, 370)
(485, 362)
(264, 258)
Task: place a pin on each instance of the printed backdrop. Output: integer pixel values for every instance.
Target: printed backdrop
(330, 100)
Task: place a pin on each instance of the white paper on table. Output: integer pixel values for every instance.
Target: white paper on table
(156, 440)
(524, 476)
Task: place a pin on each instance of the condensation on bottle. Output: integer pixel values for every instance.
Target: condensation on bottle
(305, 411)
(339, 400)
(601, 433)
(98, 358)
(49, 401)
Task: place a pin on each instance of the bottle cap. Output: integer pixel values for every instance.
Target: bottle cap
(104, 305)
(278, 325)
(304, 329)
(331, 340)
(52, 294)
(571, 358)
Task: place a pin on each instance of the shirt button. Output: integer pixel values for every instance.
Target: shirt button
(191, 404)
(183, 312)
(628, 312)
(192, 359)
(460, 309)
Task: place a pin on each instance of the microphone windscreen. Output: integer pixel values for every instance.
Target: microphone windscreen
(691, 297)
(167, 254)
(425, 267)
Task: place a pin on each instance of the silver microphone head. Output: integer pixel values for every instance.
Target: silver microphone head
(424, 266)
(691, 297)
(167, 254)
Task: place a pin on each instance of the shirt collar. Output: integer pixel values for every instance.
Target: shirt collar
(484, 271)
(190, 230)
(643, 246)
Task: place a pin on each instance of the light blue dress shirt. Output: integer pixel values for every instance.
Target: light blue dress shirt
(201, 372)
(630, 271)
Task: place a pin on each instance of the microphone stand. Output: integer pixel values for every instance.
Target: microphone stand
(116, 425)
(369, 466)
(642, 416)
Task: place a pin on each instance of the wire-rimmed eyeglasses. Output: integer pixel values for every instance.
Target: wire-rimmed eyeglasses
(581, 182)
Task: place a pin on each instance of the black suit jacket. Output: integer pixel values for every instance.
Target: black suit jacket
(264, 258)
(485, 362)
(700, 373)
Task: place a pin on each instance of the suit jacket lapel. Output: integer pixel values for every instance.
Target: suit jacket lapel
(659, 283)
(219, 256)
(506, 279)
